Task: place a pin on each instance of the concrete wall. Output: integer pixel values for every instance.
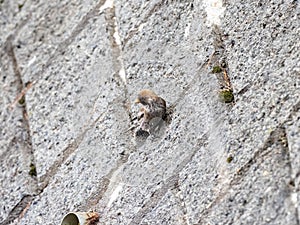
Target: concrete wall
(70, 71)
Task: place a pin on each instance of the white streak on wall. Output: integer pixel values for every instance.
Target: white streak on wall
(31, 61)
(122, 74)
(114, 195)
(117, 35)
(107, 4)
(117, 39)
(214, 10)
(187, 30)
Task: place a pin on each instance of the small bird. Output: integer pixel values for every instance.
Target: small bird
(153, 107)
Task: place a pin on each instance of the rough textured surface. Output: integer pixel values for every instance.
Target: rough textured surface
(70, 71)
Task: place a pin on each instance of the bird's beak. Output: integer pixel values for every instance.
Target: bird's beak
(137, 101)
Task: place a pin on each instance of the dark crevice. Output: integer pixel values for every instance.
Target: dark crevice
(219, 66)
(60, 48)
(19, 210)
(25, 141)
(27, 145)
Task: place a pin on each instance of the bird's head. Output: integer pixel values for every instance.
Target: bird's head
(146, 97)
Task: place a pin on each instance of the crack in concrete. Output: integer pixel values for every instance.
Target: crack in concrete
(192, 83)
(135, 29)
(18, 210)
(261, 152)
(181, 203)
(154, 199)
(117, 53)
(44, 180)
(60, 48)
(286, 151)
(169, 183)
(240, 174)
(277, 132)
(219, 62)
(114, 37)
(26, 149)
(103, 186)
(11, 37)
(79, 27)
(73, 146)
(96, 196)
(274, 136)
(22, 23)
(293, 171)
(11, 53)
(103, 183)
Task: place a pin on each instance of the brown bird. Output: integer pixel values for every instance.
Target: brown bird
(153, 107)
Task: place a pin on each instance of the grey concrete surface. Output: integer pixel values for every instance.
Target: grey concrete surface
(70, 72)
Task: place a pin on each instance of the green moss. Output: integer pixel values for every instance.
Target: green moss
(226, 96)
(22, 100)
(229, 159)
(32, 170)
(216, 69)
